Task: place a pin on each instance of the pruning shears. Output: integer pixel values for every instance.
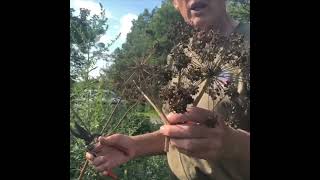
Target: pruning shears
(90, 140)
(82, 133)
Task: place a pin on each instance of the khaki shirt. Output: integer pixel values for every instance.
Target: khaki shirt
(189, 168)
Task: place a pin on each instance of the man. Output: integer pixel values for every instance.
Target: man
(196, 151)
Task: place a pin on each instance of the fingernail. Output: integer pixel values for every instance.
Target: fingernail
(161, 128)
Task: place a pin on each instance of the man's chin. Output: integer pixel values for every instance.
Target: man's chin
(200, 23)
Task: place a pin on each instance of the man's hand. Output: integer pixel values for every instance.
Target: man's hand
(111, 152)
(117, 149)
(197, 139)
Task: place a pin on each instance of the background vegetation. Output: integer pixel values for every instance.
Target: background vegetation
(93, 98)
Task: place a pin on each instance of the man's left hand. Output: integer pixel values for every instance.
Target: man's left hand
(204, 136)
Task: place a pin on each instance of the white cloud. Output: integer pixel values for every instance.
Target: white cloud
(124, 28)
(105, 38)
(92, 5)
(126, 24)
(100, 64)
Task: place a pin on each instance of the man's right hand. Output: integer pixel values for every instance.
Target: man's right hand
(111, 152)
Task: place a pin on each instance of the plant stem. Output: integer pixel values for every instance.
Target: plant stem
(110, 117)
(159, 112)
(83, 170)
(122, 118)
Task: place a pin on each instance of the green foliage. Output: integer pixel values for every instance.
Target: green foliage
(92, 100)
(85, 48)
(239, 10)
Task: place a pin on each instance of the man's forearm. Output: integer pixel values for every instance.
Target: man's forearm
(149, 144)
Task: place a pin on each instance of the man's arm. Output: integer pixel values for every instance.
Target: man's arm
(114, 150)
(149, 144)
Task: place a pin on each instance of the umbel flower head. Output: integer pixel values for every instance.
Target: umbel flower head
(222, 62)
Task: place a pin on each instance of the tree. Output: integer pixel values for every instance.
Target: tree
(88, 96)
(152, 30)
(85, 48)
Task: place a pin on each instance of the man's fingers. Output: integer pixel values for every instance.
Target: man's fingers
(105, 173)
(99, 160)
(110, 174)
(97, 148)
(117, 141)
(194, 114)
(89, 156)
(175, 118)
(103, 167)
(113, 155)
(110, 162)
(186, 131)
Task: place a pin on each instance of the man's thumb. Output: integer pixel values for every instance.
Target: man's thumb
(110, 140)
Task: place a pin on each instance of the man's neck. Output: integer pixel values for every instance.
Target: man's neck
(225, 25)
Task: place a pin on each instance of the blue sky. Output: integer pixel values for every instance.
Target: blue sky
(120, 14)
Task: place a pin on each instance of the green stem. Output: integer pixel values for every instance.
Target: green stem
(110, 117)
(122, 118)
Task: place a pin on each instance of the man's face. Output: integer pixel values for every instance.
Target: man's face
(201, 13)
